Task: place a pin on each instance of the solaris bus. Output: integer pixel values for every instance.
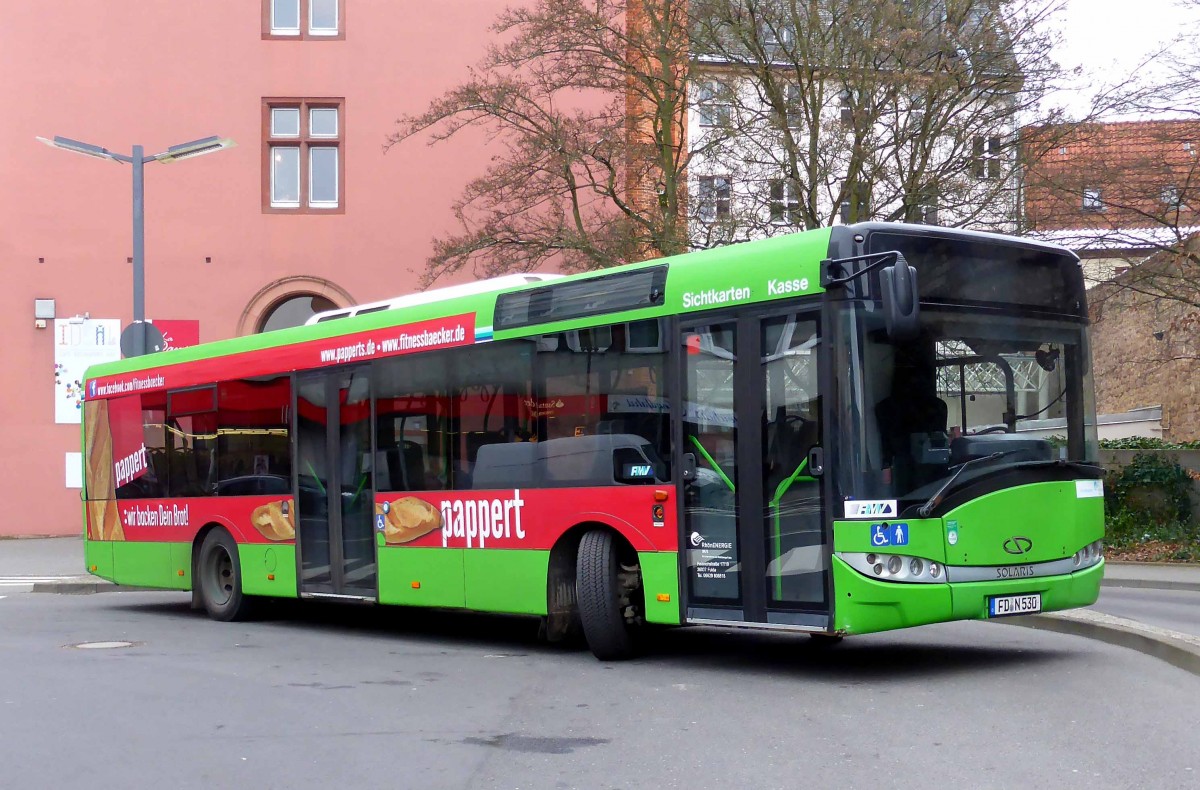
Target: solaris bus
(840, 431)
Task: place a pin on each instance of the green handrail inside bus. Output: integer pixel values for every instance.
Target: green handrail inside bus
(313, 473)
(780, 490)
(716, 467)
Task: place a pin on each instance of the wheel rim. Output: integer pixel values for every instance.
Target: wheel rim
(219, 576)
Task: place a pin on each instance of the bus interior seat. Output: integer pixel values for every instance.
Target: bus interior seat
(404, 467)
(479, 439)
(506, 465)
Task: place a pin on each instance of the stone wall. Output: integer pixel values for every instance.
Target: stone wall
(1145, 352)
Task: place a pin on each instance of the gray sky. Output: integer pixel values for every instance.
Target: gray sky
(1109, 37)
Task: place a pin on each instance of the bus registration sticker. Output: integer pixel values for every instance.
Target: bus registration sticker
(1006, 605)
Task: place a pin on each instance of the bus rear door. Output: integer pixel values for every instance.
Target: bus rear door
(336, 538)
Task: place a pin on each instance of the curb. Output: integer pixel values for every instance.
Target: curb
(1150, 584)
(87, 587)
(73, 587)
(1178, 649)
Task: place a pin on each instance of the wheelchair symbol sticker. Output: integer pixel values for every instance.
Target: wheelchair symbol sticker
(886, 534)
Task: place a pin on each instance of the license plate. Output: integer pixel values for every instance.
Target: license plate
(1005, 605)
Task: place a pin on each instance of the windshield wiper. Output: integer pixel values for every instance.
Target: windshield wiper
(924, 510)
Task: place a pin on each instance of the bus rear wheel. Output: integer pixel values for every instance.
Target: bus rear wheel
(610, 597)
(219, 578)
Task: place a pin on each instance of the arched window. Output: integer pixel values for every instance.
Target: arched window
(293, 311)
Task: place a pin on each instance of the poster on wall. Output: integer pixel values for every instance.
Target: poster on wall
(178, 333)
(78, 344)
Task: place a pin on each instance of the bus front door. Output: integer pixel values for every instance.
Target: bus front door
(336, 540)
(752, 508)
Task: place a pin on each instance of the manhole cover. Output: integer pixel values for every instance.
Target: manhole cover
(102, 645)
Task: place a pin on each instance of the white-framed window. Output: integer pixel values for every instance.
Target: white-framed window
(927, 208)
(285, 17)
(776, 38)
(302, 18)
(322, 176)
(285, 122)
(986, 158)
(846, 106)
(285, 176)
(716, 193)
(794, 106)
(785, 202)
(855, 208)
(710, 109)
(303, 148)
(323, 17)
(1169, 196)
(1092, 200)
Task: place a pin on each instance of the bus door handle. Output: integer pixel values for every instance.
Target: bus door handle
(689, 467)
(816, 462)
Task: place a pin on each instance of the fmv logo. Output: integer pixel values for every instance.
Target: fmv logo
(639, 470)
(870, 508)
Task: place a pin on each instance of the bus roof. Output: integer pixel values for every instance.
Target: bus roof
(733, 274)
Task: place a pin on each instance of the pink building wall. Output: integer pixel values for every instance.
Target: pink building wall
(161, 73)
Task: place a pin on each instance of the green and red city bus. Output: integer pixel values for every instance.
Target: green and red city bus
(840, 431)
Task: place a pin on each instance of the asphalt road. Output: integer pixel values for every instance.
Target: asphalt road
(331, 697)
(1178, 610)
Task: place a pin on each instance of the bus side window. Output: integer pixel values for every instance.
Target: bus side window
(253, 444)
(149, 479)
(605, 380)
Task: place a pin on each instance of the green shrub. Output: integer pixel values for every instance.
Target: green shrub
(1146, 443)
(1151, 488)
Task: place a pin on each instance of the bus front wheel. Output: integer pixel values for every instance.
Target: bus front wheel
(609, 596)
(219, 578)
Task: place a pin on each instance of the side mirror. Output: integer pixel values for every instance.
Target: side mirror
(901, 306)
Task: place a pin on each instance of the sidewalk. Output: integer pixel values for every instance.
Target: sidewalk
(46, 565)
(55, 565)
(1158, 576)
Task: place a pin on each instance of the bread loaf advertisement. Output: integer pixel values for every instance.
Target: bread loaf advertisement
(406, 519)
(103, 520)
(274, 520)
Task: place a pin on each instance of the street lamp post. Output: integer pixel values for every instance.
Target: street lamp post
(207, 145)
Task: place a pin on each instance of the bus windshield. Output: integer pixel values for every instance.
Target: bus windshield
(975, 387)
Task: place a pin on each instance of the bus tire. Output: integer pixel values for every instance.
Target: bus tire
(608, 635)
(219, 578)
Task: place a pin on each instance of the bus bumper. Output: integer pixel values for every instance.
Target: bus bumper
(865, 605)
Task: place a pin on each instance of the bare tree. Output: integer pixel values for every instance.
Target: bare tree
(862, 109)
(808, 110)
(586, 104)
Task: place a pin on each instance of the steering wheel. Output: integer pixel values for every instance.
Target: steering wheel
(991, 429)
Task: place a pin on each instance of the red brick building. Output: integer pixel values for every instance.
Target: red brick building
(306, 207)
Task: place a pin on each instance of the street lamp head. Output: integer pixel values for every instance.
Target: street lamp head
(207, 145)
(87, 149)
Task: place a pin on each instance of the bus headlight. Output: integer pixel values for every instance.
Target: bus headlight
(895, 567)
(1089, 555)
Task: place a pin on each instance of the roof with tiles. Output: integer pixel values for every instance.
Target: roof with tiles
(1113, 176)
